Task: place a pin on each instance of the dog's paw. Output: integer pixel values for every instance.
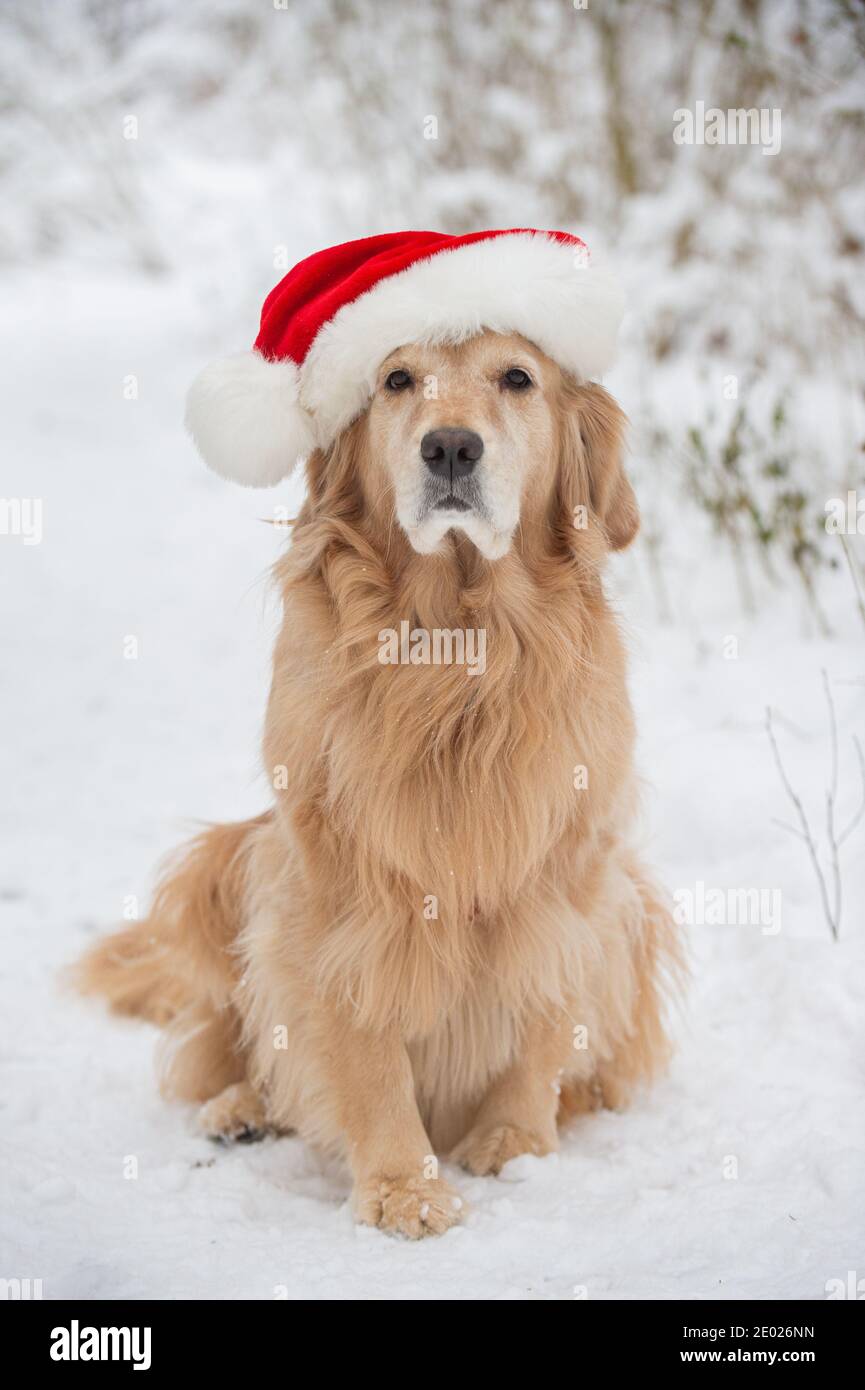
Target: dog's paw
(486, 1150)
(237, 1113)
(408, 1206)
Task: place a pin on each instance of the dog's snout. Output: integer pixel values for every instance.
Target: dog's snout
(451, 453)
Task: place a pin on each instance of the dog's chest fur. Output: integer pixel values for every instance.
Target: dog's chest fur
(446, 819)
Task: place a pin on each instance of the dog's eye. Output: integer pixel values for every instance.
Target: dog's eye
(398, 381)
(516, 380)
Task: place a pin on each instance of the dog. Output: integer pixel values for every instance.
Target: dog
(438, 941)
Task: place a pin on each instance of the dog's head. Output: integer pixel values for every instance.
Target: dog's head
(486, 436)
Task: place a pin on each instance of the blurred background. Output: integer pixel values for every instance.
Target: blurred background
(214, 144)
(162, 166)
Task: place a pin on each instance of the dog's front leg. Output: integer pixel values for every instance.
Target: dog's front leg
(395, 1187)
(518, 1113)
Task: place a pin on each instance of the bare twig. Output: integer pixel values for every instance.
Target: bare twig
(785, 825)
(831, 797)
(854, 576)
(832, 903)
(806, 829)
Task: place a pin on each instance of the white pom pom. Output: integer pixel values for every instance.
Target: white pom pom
(247, 422)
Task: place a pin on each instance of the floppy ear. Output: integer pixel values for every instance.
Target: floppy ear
(599, 426)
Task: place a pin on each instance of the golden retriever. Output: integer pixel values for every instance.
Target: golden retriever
(438, 941)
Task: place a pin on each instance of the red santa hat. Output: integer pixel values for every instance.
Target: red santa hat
(330, 323)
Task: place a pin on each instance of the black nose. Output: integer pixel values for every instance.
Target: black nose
(451, 453)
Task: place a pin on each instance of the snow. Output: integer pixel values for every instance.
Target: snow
(739, 1174)
(107, 762)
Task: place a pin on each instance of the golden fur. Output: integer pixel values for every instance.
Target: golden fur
(293, 959)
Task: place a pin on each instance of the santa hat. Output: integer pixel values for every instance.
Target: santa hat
(330, 323)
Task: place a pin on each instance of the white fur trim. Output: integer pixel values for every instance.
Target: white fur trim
(245, 417)
(526, 283)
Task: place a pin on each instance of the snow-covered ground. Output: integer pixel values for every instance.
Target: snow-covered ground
(739, 1175)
